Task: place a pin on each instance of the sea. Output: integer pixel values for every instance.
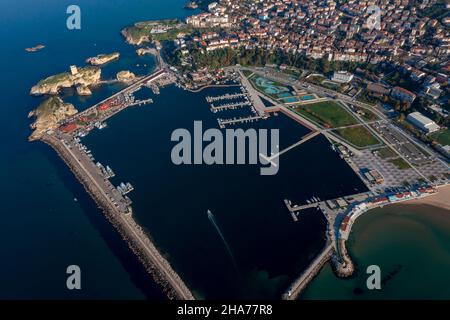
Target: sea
(411, 246)
(248, 247)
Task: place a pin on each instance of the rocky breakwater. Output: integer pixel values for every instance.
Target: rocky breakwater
(49, 114)
(103, 58)
(82, 77)
(342, 264)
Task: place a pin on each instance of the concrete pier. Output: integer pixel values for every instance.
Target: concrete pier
(225, 97)
(230, 106)
(224, 122)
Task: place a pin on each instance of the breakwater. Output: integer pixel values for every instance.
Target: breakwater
(155, 264)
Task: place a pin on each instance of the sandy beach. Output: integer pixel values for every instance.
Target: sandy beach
(440, 199)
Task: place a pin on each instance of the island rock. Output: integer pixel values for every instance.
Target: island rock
(103, 58)
(35, 48)
(125, 76)
(49, 114)
(83, 76)
(83, 90)
(191, 5)
(144, 51)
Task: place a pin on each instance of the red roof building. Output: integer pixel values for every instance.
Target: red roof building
(68, 127)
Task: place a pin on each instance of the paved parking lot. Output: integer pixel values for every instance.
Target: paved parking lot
(399, 142)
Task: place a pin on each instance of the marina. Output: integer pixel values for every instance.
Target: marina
(248, 207)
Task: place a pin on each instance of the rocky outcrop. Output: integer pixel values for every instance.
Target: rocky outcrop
(144, 51)
(103, 58)
(49, 114)
(191, 5)
(36, 48)
(84, 77)
(125, 76)
(83, 90)
(147, 31)
(135, 36)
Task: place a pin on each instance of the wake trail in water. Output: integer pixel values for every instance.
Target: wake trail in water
(230, 253)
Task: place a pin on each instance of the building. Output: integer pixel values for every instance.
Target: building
(378, 178)
(74, 70)
(212, 6)
(342, 77)
(403, 95)
(433, 92)
(421, 122)
(377, 90)
(70, 127)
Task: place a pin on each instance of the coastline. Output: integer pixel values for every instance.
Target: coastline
(441, 199)
(141, 245)
(404, 241)
(345, 268)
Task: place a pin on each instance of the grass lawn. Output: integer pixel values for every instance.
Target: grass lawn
(329, 114)
(316, 79)
(358, 136)
(294, 73)
(331, 85)
(367, 115)
(443, 137)
(386, 152)
(400, 163)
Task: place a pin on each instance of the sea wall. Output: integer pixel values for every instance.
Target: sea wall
(155, 264)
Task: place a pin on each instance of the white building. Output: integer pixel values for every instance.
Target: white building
(342, 77)
(422, 122)
(74, 70)
(212, 6)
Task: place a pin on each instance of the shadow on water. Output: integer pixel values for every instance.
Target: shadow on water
(138, 275)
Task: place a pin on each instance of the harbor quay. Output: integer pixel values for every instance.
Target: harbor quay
(81, 123)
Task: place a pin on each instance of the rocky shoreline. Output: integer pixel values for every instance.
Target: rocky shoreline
(102, 59)
(48, 115)
(85, 76)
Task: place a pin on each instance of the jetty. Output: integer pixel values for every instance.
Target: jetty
(224, 122)
(308, 274)
(226, 96)
(230, 106)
